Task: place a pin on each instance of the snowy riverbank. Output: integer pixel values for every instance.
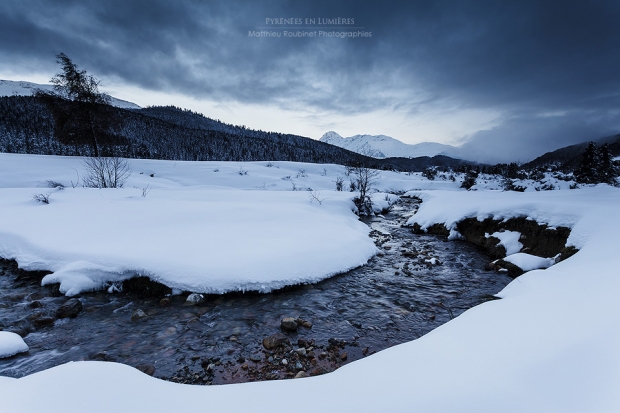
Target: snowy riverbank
(205, 227)
(549, 345)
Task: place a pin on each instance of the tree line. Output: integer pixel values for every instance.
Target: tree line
(52, 126)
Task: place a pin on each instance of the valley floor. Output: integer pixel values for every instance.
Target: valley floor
(550, 344)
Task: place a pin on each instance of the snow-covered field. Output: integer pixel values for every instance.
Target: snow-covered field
(201, 226)
(550, 345)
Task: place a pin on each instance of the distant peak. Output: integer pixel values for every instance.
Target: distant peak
(383, 146)
(330, 136)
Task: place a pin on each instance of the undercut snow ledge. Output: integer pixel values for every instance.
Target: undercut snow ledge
(206, 240)
(553, 208)
(529, 262)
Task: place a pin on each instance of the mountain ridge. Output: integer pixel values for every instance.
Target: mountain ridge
(23, 88)
(383, 146)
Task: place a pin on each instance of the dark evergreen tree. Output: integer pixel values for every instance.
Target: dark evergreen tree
(470, 179)
(587, 171)
(81, 113)
(607, 170)
(596, 166)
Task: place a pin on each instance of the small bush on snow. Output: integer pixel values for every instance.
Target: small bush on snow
(56, 185)
(339, 183)
(106, 172)
(43, 198)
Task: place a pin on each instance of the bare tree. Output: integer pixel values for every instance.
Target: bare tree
(363, 178)
(105, 172)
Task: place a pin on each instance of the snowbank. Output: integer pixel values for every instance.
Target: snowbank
(568, 208)
(11, 344)
(550, 345)
(207, 227)
(509, 240)
(528, 262)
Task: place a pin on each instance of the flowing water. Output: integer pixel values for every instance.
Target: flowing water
(415, 284)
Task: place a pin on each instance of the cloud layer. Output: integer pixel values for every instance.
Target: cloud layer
(546, 70)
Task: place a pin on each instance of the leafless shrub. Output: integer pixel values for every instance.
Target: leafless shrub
(43, 198)
(146, 190)
(302, 173)
(104, 172)
(339, 183)
(315, 196)
(77, 181)
(242, 171)
(55, 185)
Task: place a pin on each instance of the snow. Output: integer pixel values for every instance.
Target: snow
(554, 208)
(509, 240)
(382, 146)
(528, 262)
(196, 229)
(17, 88)
(549, 180)
(4, 380)
(550, 344)
(11, 344)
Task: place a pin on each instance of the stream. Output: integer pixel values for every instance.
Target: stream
(415, 284)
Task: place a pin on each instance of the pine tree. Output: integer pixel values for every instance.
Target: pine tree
(587, 171)
(607, 171)
(596, 166)
(81, 112)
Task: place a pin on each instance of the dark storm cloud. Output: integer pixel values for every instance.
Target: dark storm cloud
(523, 137)
(522, 58)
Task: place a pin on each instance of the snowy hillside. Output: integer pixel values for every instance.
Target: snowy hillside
(12, 87)
(381, 146)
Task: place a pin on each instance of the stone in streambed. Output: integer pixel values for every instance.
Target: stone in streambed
(288, 324)
(70, 309)
(195, 299)
(146, 369)
(255, 358)
(138, 315)
(274, 341)
(41, 319)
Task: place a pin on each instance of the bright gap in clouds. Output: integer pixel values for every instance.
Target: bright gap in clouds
(430, 123)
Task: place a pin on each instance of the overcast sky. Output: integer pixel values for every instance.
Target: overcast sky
(509, 80)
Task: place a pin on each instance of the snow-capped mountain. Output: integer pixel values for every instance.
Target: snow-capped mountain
(13, 87)
(381, 146)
